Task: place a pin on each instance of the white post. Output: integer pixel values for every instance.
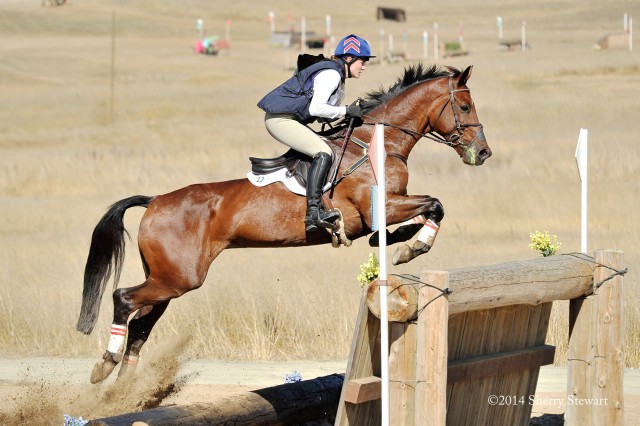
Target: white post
(382, 46)
(327, 20)
(390, 43)
(630, 33)
(435, 41)
(625, 22)
(405, 40)
(200, 28)
(382, 240)
(461, 32)
(581, 160)
(499, 23)
(272, 22)
(524, 35)
(425, 45)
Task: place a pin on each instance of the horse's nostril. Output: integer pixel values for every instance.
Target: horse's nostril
(484, 154)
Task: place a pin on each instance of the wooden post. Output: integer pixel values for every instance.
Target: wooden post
(609, 339)
(402, 373)
(580, 371)
(432, 332)
(595, 359)
(113, 64)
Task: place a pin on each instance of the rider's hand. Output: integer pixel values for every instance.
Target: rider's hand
(354, 110)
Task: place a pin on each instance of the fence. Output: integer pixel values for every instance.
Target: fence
(459, 337)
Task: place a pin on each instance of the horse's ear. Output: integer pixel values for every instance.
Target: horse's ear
(464, 77)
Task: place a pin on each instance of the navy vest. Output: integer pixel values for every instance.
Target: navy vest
(294, 95)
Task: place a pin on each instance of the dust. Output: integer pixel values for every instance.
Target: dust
(43, 402)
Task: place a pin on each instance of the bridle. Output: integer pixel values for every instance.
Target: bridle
(453, 138)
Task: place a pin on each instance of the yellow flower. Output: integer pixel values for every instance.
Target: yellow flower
(544, 243)
(369, 270)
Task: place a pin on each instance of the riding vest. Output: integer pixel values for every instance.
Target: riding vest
(294, 95)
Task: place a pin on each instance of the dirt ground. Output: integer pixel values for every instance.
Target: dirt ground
(63, 383)
(101, 99)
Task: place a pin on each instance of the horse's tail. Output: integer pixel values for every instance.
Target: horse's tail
(105, 258)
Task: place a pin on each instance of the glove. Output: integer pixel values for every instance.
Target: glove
(354, 110)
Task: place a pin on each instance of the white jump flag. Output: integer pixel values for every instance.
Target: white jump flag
(581, 161)
(377, 156)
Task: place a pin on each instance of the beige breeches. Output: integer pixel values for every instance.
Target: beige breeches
(294, 134)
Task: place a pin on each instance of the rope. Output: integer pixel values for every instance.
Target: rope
(443, 292)
(596, 286)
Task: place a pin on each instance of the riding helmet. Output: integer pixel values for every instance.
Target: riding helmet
(355, 46)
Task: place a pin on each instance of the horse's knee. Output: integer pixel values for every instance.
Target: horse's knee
(437, 210)
(122, 306)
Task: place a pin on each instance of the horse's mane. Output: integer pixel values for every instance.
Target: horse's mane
(412, 75)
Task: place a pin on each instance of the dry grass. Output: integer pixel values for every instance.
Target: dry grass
(181, 118)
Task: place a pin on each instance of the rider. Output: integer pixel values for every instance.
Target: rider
(315, 93)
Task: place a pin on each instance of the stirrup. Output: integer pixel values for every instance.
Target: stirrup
(329, 215)
(316, 219)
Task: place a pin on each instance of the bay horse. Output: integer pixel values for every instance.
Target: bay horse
(182, 232)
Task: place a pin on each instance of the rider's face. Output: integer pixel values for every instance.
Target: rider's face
(357, 67)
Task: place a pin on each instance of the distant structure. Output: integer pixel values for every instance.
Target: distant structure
(613, 41)
(53, 3)
(391, 14)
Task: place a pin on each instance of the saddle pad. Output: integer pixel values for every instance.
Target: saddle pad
(281, 176)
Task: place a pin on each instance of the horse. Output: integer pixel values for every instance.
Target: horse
(182, 232)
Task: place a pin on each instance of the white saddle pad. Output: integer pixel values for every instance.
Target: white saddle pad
(280, 176)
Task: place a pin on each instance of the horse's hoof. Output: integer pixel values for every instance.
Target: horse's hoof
(403, 254)
(127, 369)
(374, 239)
(102, 369)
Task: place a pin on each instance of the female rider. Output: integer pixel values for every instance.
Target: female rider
(315, 93)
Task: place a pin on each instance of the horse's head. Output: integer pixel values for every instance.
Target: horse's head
(431, 102)
(457, 122)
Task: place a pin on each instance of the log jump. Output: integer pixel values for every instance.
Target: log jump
(458, 337)
(287, 404)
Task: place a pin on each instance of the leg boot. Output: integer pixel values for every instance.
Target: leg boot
(317, 217)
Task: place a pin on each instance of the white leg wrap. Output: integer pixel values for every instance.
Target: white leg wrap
(428, 233)
(418, 219)
(132, 360)
(116, 340)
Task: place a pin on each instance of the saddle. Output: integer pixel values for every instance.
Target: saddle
(294, 162)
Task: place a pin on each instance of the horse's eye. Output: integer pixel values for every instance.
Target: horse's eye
(465, 108)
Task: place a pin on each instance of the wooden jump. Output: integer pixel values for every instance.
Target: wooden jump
(461, 336)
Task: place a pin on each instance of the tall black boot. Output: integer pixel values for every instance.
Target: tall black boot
(316, 214)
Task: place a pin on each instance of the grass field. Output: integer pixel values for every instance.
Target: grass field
(73, 141)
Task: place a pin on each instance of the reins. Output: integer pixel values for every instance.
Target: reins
(451, 140)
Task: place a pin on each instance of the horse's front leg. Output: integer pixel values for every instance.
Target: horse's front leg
(417, 214)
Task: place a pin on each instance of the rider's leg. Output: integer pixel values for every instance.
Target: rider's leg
(316, 216)
(296, 135)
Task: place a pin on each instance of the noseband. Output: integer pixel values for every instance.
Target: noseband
(452, 138)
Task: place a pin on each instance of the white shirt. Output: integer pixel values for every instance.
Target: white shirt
(322, 103)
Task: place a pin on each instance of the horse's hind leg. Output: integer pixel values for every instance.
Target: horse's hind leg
(139, 330)
(125, 302)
